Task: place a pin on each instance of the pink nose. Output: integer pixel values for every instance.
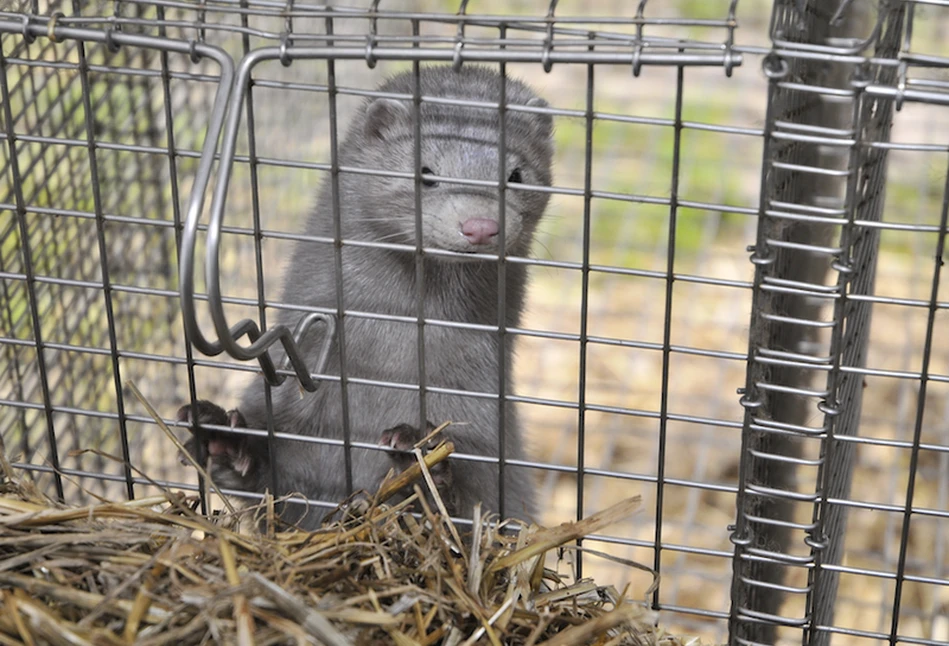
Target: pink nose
(479, 230)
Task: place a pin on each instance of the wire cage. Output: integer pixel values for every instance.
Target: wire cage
(807, 137)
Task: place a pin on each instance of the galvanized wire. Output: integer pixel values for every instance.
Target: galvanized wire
(185, 56)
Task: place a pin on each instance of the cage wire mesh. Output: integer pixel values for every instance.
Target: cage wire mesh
(57, 115)
(809, 136)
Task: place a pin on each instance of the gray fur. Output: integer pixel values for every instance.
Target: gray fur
(456, 142)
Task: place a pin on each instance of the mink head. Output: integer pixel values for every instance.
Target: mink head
(460, 142)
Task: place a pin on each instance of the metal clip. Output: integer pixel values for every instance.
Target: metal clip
(373, 33)
(817, 542)
(193, 52)
(110, 41)
(549, 40)
(51, 27)
(775, 67)
(285, 39)
(460, 36)
(638, 47)
(760, 259)
(742, 539)
(830, 409)
(285, 43)
(27, 34)
(750, 403)
(730, 42)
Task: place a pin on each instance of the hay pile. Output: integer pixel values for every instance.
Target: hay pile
(154, 571)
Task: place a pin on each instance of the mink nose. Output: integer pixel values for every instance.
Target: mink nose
(479, 230)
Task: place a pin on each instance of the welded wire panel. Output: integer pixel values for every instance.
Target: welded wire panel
(74, 226)
(636, 333)
(657, 147)
(810, 129)
(608, 421)
(816, 257)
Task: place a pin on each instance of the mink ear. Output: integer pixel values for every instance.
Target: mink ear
(383, 115)
(543, 123)
(184, 414)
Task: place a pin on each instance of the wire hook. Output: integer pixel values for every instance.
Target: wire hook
(300, 332)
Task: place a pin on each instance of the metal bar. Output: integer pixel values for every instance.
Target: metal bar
(338, 252)
(502, 336)
(176, 214)
(894, 636)
(420, 254)
(106, 285)
(254, 164)
(667, 326)
(24, 235)
(584, 299)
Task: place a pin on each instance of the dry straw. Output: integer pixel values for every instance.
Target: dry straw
(154, 571)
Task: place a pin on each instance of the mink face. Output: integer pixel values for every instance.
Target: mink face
(463, 364)
(458, 142)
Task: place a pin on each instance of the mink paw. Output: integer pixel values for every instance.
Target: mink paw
(221, 446)
(403, 438)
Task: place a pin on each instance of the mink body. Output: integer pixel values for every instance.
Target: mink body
(456, 142)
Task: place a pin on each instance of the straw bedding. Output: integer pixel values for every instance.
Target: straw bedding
(155, 571)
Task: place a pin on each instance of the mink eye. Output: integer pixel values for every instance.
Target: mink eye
(515, 177)
(428, 182)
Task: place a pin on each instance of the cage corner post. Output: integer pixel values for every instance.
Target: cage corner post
(817, 179)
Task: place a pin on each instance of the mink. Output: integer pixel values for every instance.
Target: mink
(457, 141)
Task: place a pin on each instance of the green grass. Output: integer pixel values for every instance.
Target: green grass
(641, 160)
